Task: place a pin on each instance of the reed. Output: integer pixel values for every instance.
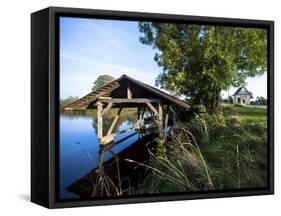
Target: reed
(225, 150)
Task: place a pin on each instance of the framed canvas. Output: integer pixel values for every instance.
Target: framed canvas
(138, 107)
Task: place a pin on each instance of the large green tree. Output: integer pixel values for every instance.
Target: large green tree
(199, 61)
(101, 81)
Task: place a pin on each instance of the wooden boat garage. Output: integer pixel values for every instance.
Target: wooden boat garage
(126, 92)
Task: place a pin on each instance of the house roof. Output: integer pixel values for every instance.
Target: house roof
(242, 91)
(118, 89)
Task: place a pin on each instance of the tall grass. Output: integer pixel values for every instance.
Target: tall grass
(224, 150)
(105, 186)
(183, 168)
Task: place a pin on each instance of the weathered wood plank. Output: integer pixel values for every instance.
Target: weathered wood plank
(109, 138)
(132, 100)
(143, 112)
(160, 116)
(114, 122)
(88, 99)
(166, 124)
(174, 118)
(138, 112)
(99, 120)
(152, 108)
(104, 97)
(109, 105)
(129, 92)
(166, 119)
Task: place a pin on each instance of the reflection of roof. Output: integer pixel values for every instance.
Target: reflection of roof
(242, 91)
(118, 89)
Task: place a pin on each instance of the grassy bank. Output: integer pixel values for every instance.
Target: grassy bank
(225, 150)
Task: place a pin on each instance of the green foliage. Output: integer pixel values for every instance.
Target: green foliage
(261, 101)
(232, 153)
(228, 100)
(200, 61)
(101, 81)
(182, 168)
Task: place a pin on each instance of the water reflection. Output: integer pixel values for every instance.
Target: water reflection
(86, 170)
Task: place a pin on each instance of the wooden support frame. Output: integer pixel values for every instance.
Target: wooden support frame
(110, 137)
(152, 108)
(109, 105)
(99, 120)
(110, 102)
(174, 117)
(129, 92)
(114, 122)
(166, 119)
(113, 144)
(132, 100)
(144, 108)
(160, 116)
(138, 112)
(101, 159)
(166, 122)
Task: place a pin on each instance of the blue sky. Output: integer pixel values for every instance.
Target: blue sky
(93, 47)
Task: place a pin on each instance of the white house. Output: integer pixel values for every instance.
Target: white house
(242, 96)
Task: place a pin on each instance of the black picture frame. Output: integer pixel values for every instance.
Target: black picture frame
(45, 103)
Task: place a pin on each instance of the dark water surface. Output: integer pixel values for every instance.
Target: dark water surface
(80, 149)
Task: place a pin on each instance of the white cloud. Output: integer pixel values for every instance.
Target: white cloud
(77, 81)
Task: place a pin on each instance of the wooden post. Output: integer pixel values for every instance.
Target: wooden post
(143, 112)
(101, 157)
(174, 118)
(138, 113)
(166, 120)
(129, 92)
(166, 123)
(160, 116)
(99, 120)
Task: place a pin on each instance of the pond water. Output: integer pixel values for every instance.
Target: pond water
(79, 146)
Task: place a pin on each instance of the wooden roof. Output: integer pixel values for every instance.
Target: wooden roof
(118, 89)
(242, 91)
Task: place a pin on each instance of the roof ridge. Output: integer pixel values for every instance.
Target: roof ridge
(239, 90)
(142, 84)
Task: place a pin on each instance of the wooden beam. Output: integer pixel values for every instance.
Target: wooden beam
(132, 100)
(113, 144)
(166, 120)
(144, 108)
(109, 105)
(138, 112)
(107, 139)
(114, 122)
(166, 124)
(99, 120)
(110, 137)
(151, 113)
(129, 92)
(101, 159)
(103, 97)
(174, 118)
(152, 108)
(160, 116)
